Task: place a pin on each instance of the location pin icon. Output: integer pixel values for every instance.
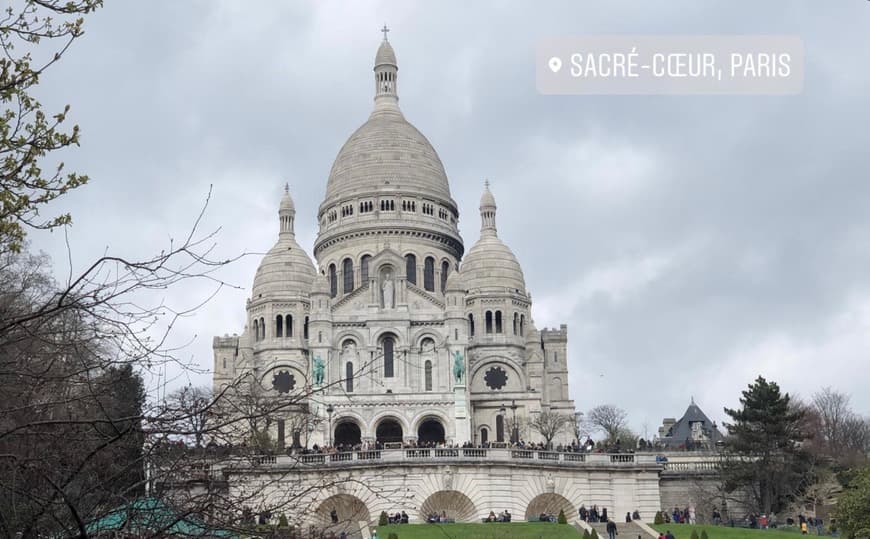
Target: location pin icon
(555, 64)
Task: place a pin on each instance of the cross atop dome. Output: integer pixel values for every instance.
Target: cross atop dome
(385, 30)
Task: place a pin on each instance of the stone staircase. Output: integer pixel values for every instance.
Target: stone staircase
(625, 530)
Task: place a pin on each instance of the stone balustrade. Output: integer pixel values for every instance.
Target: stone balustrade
(448, 455)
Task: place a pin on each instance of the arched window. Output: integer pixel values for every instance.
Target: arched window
(388, 344)
(347, 271)
(498, 322)
(279, 326)
(484, 435)
(516, 322)
(445, 269)
(348, 377)
(262, 328)
(471, 325)
(364, 270)
(305, 328)
(225, 363)
(499, 428)
(429, 274)
(256, 330)
(411, 268)
(333, 281)
(428, 375)
(488, 322)
(522, 324)
(288, 323)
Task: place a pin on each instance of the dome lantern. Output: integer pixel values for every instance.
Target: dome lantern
(487, 211)
(386, 71)
(286, 213)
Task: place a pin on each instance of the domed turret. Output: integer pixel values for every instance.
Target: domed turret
(286, 270)
(490, 265)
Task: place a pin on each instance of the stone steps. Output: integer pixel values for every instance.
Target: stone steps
(624, 530)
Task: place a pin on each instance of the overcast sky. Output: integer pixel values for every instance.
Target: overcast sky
(690, 243)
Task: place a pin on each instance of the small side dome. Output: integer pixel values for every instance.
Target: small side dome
(491, 265)
(286, 270)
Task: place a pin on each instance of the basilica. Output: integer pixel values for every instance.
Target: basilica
(395, 334)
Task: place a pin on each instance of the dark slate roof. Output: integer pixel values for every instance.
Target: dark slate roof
(682, 430)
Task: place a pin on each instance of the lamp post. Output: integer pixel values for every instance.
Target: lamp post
(515, 431)
(329, 410)
(502, 411)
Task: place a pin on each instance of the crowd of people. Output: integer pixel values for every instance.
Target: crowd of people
(504, 516)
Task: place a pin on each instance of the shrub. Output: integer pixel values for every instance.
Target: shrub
(562, 519)
(594, 534)
(586, 534)
(393, 535)
(695, 534)
(659, 519)
(384, 520)
(282, 521)
(704, 534)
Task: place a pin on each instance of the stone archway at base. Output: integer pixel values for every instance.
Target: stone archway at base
(351, 514)
(455, 504)
(549, 504)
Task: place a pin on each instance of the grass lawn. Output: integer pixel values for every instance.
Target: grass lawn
(490, 530)
(684, 531)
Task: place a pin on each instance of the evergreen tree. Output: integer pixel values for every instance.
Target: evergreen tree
(765, 458)
(561, 519)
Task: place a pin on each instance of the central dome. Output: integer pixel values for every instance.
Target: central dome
(387, 150)
(387, 183)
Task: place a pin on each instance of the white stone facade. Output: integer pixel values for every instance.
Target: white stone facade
(391, 301)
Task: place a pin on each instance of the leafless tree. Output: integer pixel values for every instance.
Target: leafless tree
(610, 419)
(550, 424)
(838, 432)
(190, 406)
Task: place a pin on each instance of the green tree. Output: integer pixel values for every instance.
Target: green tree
(34, 35)
(561, 518)
(694, 534)
(764, 457)
(704, 534)
(853, 507)
(586, 534)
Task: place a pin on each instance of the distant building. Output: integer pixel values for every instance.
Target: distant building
(693, 431)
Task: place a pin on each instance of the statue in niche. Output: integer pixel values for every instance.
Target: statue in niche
(348, 352)
(448, 479)
(388, 292)
(319, 370)
(458, 367)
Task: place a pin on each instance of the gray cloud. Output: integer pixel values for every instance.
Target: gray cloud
(689, 242)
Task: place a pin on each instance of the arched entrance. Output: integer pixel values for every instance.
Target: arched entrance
(343, 513)
(550, 504)
(347, 433)
(453, 503)
(389, 431)
(430, 431)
